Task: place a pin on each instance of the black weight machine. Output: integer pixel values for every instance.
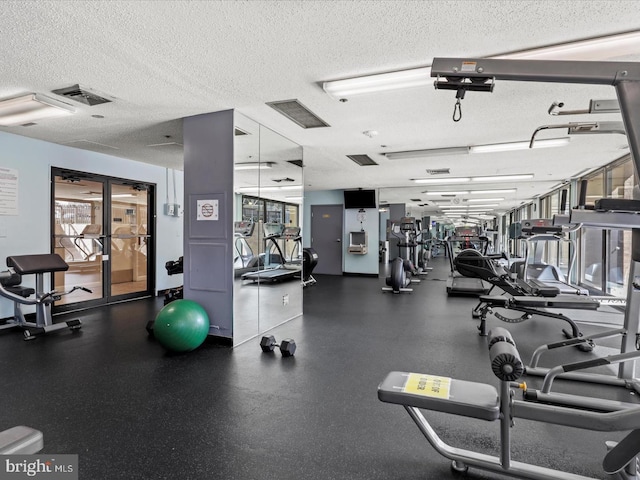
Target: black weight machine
(10, 287)
(174, 267)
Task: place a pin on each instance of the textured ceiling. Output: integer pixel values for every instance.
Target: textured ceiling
(162, 61)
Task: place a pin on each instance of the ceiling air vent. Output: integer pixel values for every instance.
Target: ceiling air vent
(415, 199)
(286, 179)
(362, 160)
(438, 171)
(297, 163)
(81, 94)
(298, 113)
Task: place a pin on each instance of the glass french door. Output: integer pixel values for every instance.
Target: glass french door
(101, 227)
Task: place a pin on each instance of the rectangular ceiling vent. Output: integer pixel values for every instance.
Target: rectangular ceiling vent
(81, 94)
(415, 199)
(362, 160)
(298, 113)
(168, 147)
(438, 171)
(297, 163)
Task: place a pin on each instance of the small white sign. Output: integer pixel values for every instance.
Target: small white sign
(8, 191)
(207, 210)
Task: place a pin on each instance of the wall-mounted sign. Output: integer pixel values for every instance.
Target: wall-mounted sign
(8, 191)
(207, 210)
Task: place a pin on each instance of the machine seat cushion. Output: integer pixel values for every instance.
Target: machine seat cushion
(22, 291)
(494, 300)
(40, 263)
(576, 302)
(441, 394)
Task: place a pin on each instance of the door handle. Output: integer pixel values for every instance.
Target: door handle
(338, 240)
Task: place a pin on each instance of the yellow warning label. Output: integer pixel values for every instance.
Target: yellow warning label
(468, 67)
(428, 385)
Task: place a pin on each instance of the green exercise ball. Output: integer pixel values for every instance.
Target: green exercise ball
(181, 326)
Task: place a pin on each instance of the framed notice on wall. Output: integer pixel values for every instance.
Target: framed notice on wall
(207, 210)
(8, 191)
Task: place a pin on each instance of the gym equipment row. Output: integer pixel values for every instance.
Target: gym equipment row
(412, 258)
(10, 288)
(416, 392)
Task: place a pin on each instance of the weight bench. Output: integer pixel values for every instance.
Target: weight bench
(530, 306)
(481, 401)
(38, 265)
(20, 441)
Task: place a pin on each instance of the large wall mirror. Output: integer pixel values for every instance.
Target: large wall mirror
(268, 187)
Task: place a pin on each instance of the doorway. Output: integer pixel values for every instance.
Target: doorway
(326, 238)
(102, 227)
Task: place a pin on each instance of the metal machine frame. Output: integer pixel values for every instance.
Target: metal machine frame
(464, 74)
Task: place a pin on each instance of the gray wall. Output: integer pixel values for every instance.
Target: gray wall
(208, 241)
(29, 232)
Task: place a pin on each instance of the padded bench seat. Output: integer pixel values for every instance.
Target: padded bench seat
(39, 263)
(20, 440)
(574, 302)
(11, 282)
(441, 394)
(577, 302)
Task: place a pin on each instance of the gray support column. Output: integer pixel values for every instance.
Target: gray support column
(629, 98)
(208, 217)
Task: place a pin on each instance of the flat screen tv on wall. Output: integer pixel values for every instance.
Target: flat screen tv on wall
(360, 199)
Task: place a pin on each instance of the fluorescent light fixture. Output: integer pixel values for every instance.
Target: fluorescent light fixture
(432, 152)
(490, 148)
(484, 192)
(442, 180)
(253, 166)
(270, 189)
(493, 178)
(470, 206)
(459, 192)
(503, 178)
(510, 146)
(599, 48)
(497, 199)
(380, 82)
(294, 198)
(29, 108)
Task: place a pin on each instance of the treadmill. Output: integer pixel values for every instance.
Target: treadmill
(533, 270)
(471, 243)
(277, 266)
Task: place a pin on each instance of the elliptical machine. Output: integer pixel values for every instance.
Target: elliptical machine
(398, 281)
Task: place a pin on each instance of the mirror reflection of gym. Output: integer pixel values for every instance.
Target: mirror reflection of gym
(267, 222)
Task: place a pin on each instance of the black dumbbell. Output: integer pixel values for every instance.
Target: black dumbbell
(287, 346)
